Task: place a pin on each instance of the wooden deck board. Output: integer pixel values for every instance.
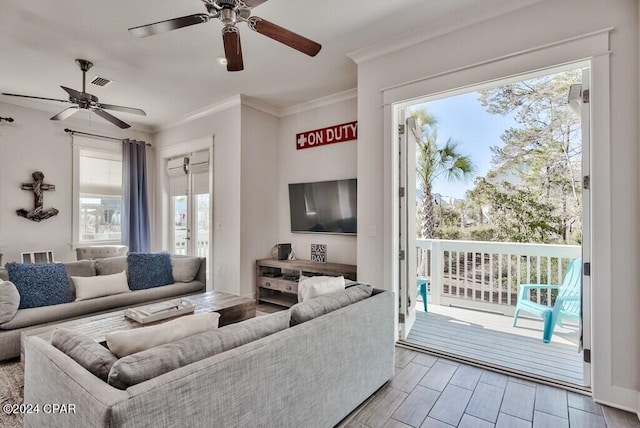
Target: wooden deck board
(491, 338)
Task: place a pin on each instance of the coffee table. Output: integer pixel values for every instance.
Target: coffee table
(230, 307)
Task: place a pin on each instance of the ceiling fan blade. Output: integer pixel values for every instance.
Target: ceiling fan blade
(232, 48)
(36, 98)
(122, 109)
(73, 93)
(65, 113)
(253, 3)
(103, 114)
(284, 36)
(168, 25)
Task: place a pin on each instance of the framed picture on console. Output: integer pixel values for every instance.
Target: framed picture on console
(318, 253)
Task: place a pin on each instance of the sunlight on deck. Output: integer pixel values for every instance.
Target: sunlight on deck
(491, 338)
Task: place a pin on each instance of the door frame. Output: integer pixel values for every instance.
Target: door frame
(161, 226)
(395, 111)
(595, 48)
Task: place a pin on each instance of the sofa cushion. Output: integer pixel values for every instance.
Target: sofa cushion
(310, 309)
(9, 301)
(82, 268)
(153, 362)
(102, 285)
(184, 268)
(148, 270)
(4, 275)
(111, 265)
(36, 316)
(39, 285)
(93, 252)
(85, 351)
(127, 342)
(315, 286)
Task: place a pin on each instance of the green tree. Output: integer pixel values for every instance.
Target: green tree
(435, 160)
(542, 154)
(518, 215)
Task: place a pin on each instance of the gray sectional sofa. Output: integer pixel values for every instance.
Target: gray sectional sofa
(310, 373)
(35, 317)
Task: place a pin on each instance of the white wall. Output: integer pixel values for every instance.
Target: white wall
(224, 126)
(259, 208)
(616, 376)
(331, 162)
(254, 160)
(35, 143)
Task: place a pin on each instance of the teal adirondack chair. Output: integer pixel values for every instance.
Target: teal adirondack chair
(567, 304)
(423, 283)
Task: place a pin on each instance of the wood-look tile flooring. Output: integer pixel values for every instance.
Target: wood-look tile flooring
(431, 392)
(490, 338)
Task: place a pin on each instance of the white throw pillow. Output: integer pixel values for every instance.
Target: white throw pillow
(127, 342)
(315, 286)
(9, 301)
(90, 287)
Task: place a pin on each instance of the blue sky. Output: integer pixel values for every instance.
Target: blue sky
(462, 118)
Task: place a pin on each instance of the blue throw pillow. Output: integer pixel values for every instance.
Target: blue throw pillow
(42, 284)
(149, 270)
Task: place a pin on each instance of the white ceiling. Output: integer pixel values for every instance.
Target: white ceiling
(173, 74)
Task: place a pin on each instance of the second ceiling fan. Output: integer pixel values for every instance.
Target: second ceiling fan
(230, 12)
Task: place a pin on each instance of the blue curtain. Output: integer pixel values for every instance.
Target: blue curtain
(135, 210)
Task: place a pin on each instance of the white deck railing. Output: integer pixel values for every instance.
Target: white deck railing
(486, 275)
(202, 248)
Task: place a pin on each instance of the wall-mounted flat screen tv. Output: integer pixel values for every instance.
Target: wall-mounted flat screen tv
(324, 207)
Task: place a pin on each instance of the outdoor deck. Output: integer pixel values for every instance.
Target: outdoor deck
(490, 338)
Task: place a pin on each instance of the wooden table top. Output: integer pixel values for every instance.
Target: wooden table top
(232, 309)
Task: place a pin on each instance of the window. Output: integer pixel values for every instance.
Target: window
(98, 199)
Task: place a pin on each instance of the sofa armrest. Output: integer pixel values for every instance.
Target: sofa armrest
(202, 272)
(51, 377)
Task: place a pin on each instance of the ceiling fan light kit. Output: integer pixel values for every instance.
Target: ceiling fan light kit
(230, 13)
(86, 101)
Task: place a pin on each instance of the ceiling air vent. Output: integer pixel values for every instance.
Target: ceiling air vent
(100, 81)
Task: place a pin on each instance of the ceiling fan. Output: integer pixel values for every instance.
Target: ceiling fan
(230, 12)
(87, 101)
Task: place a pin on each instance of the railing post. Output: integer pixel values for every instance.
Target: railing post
(437, 265)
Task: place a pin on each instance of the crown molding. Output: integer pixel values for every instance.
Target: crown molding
(466, 18)
(248, 101)
(260, 106)
(349, 94)
(203, 112)
(147, 129)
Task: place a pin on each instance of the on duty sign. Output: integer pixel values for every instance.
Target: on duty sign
(330, 135)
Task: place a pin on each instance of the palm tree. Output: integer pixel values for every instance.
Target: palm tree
(434, 161)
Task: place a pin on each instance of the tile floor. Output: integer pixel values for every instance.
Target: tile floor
(430, 392)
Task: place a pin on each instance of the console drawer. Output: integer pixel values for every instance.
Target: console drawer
(278, 284)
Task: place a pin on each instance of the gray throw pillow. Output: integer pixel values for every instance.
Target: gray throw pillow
(111, 265)
(87, 352)
(83, 268)
(312, 308)
(184, 268)
(9, 301)
(145, 365)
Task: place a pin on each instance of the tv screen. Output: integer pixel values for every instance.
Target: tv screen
(324, 207)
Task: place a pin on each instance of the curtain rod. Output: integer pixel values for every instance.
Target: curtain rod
(71, 131)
